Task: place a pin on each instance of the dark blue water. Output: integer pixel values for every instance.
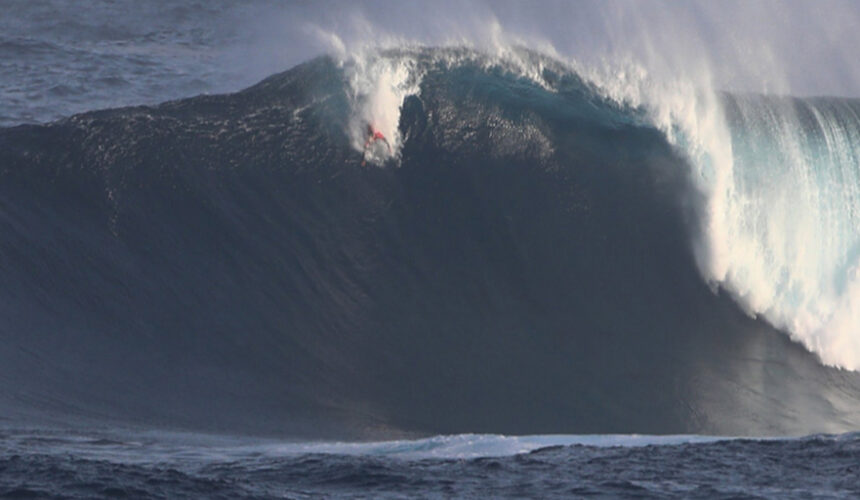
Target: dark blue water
(507, 304)
(63, 465)
(62, 57)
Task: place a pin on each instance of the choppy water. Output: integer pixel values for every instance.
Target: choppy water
(62, 57)
(54, 464)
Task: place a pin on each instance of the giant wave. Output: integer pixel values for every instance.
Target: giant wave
(542, 253)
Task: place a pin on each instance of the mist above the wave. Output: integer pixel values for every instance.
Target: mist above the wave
(768, 46)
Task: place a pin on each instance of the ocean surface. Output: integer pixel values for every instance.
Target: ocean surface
(151, 465)
(556, 281)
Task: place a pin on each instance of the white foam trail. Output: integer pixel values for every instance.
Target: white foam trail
(192, 449)
(465, 446)
(379, 85)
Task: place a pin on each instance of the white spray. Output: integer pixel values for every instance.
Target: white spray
(379, 86)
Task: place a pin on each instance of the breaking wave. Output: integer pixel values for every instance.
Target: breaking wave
(779, 218)
(544, 249)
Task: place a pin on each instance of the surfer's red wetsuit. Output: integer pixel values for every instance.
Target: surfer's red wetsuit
(374, 135)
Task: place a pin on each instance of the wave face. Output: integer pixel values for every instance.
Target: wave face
(524, 262)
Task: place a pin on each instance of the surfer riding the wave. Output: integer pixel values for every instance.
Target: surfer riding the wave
(373, 136)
